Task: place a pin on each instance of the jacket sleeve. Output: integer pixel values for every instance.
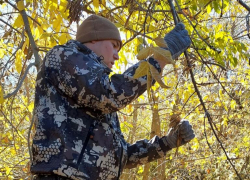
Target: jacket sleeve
(145, 151)
(81, 78)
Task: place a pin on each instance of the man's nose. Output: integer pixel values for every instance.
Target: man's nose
(116, 56)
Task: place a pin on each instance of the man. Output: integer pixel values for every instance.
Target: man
(78, 134)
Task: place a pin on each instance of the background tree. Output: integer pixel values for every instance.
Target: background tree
(219, 59)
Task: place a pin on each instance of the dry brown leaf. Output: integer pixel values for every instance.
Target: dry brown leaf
(160, 42)
(163, 54)
(144, 53)
(142, 70)
(157, 76)
(174, 120)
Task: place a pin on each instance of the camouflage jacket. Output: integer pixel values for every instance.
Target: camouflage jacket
(78, 133)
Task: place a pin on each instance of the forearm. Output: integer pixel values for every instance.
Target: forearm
(145, 151)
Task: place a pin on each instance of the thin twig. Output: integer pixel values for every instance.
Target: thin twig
(207, 62)
(191, 111)
(205, 133)
(134, 36)
(187, 100)
(13, 54)
(10, 26)
(13, 127)
(21, 81)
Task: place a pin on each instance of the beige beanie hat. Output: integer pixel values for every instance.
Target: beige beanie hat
(96, 28)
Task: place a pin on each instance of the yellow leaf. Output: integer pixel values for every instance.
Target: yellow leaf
(18, 62)
(144, 53)
(151, 28)
(157, 76)
(63, 38)
(20, 5)
(37, 34)
(19, 21)
(31, 107)
(104, 2)
(233, 104)
(25, 44)
(96, 5)
(57, 23)
(163, 55)
(7, 169)
(1, 95)
(4, 5)
(130, 108)
(63, 6)
(160, 42)
(13, 152)
(2, 53)
(142, 70)
(140, 169)
(52, 42)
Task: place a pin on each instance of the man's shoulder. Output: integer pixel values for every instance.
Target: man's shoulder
(70, 49)
(69, 46)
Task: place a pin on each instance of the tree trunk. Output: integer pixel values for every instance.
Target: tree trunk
(127, 173)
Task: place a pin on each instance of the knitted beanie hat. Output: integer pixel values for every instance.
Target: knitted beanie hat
(96, 28)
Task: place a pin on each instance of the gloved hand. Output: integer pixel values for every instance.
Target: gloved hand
(184, 131)
(177, 40)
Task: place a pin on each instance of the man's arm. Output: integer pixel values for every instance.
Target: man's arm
(79, 77)
(145, 151)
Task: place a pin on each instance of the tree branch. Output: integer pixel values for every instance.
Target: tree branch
(28, 31)
(244, 5)
(32, 41)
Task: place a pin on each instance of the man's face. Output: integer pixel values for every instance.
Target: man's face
(108, 49)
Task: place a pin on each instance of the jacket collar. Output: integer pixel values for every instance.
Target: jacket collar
(84, 49)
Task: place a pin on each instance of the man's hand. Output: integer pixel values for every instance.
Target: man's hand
(184, 131)
(177, 40)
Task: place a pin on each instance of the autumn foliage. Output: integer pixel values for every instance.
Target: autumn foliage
(219, 60)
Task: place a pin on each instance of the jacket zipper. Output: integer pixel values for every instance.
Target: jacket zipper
(90, 132)
(120, 166)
